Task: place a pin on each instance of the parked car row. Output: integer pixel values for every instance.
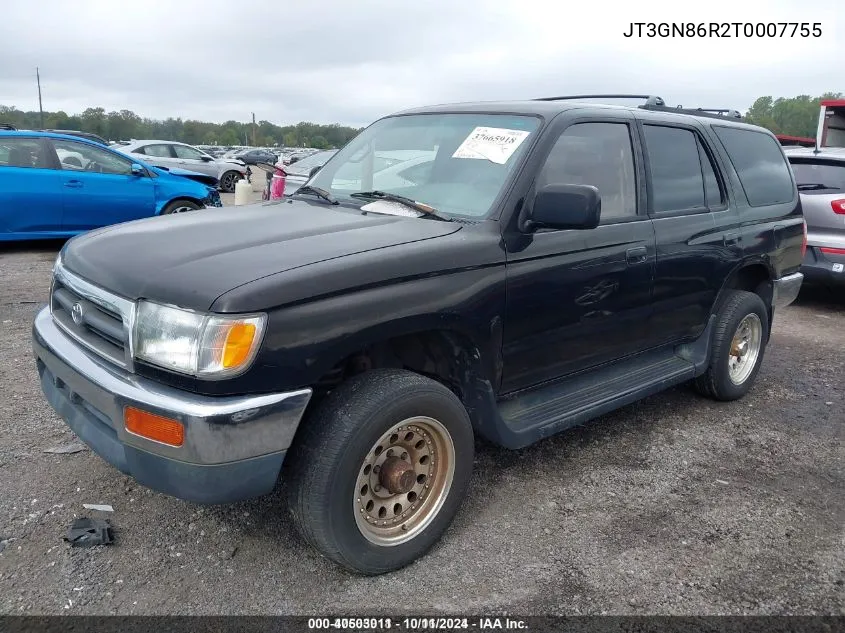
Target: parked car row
(57, 185)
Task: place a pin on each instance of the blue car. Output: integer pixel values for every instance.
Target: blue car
(57, 186)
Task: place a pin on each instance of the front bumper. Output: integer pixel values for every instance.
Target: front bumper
(234, 446)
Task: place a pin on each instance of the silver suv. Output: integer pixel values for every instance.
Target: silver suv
(173, 155)
(820, 177)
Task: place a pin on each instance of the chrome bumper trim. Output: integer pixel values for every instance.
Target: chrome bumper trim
(217, 429)
(786, 289)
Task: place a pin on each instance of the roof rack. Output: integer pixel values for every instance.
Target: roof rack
(7, 126)
(716, 113)
(651, 100)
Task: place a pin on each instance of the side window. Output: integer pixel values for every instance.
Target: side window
(760, 165)
(183, 151)
(22, 152)
(598, 154)
(157, 151)
(677, 182)
(81, 157)
(713, 194)
(140, 150)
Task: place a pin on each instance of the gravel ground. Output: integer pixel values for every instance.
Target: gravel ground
(675, 505)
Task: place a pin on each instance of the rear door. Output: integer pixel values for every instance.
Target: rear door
(103, 191)
(158, 154)
(30, 189)
(697, 233)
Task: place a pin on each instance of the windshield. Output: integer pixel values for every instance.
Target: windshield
(456, 163)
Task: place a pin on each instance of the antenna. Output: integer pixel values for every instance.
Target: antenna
(40, 108)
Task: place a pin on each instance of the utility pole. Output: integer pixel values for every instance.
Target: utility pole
(40, 108)
(253, 129)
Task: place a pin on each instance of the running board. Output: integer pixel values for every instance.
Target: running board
(532, 415)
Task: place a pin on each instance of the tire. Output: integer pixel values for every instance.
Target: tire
(334, 471)
(228, 180)
(720, 382)
(180, 206)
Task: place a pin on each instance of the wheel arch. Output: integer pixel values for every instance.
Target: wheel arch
(753, 275)
(450, 353)
(162, 205)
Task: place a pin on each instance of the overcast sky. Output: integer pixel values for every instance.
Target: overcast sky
(352, 61)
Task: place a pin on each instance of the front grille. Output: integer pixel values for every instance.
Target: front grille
(93, 317)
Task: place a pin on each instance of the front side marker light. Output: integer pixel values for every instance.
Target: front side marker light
(153, 427)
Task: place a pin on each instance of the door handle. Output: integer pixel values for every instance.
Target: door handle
(731, 237)
(636, 255)
(73, 184)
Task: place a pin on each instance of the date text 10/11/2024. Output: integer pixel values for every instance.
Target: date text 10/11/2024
(723, 29)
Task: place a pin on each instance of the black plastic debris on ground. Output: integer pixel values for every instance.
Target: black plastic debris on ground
(85, 532)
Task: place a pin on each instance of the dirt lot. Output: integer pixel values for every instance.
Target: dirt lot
(676, 505)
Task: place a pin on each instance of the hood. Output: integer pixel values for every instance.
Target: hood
(190, 259)
(205, 179)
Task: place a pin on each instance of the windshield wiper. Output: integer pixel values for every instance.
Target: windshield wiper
(814, 186)
(408, 202)
(321, 193)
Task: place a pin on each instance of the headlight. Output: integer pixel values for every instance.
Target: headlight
(195, 343)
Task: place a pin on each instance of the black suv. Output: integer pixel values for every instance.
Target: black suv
(503, 270)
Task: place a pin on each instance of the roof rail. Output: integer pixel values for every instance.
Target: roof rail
(651, 100)
(716, 113)
(7, 126)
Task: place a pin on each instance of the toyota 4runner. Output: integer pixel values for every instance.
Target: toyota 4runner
(532, 265)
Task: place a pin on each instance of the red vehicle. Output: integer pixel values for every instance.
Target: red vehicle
(795, 141)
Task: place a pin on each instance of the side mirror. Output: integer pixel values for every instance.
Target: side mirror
(565, 207)
(314, 171)
(207, 159)
(138, 170)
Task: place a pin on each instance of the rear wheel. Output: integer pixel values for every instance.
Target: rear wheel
(739, 342)
(380, 470)
(180, 206)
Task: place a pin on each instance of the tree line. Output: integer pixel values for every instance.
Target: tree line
(797, 116)
(124, 125)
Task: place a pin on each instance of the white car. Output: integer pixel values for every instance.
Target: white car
(174, 155)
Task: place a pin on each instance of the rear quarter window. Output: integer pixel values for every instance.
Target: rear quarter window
(759, 162)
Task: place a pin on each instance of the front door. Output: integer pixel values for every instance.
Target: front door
(194, 160)
(580, 298)
(102, 190)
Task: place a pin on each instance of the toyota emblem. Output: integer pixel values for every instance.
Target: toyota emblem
(77, 313)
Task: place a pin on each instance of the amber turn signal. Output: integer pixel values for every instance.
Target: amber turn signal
(153, 427)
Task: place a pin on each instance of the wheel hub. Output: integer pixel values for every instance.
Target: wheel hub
(397, 475)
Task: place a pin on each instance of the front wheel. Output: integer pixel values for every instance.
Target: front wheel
(228, 181)
(180, 206)
(739, 342)
(380, 470)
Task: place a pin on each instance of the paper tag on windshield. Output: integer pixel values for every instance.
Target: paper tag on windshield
(495, 144)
